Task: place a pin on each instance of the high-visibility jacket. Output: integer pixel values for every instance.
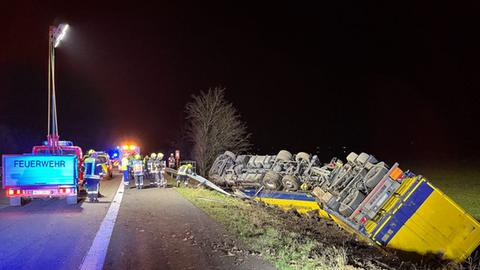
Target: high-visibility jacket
(93, 168)
(153, 165)
(184, 170)
(124, 164)
(137, 166)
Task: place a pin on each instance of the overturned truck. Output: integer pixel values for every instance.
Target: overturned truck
(379, 203)
(276, 172)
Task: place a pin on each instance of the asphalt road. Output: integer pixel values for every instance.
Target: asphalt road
(50, 234)
(155, 229)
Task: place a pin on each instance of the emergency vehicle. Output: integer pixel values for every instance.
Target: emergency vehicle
(40, 176)
(52, 170)
(128, 151)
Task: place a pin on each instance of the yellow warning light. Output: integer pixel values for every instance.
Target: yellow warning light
(125, 147)
(132, 147)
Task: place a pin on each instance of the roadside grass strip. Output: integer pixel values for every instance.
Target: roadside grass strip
(264, 233)
(95, 257)
(462, 184)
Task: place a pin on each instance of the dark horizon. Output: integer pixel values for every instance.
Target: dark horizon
(398, 81)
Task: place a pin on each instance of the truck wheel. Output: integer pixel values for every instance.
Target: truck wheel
(72, 199)
(362, 158)
(302, 156)
(284, 155)
(290, 183)
(351, 202)
(15, 201)
(352, 157)
(271, 180)
(376, 173)
(230, 155)
(242, 159)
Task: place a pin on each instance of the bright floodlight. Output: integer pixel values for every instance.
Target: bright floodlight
(59, 34)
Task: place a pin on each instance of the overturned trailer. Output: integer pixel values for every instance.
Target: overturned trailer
(274, 172)
(379, 203)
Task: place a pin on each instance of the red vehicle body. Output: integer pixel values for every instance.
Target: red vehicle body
(66, 150)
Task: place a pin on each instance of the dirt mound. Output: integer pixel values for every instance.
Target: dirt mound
(358, 253)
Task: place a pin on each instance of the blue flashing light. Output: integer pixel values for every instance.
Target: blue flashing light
(60, 143)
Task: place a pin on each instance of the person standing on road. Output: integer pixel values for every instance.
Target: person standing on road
(153, 169)
(125, 170)
(182, 174)
(161, 170)
(146, 169)
(94, 171)
(137, 165)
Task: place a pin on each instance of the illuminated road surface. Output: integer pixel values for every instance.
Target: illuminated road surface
(51, 234)
(155, 229)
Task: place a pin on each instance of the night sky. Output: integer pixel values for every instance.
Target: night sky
(398, 80)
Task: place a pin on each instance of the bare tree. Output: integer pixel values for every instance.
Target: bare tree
(214, 126)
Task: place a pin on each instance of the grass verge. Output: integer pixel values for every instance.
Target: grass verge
(266, 233)
(291, 241)
(461, 183)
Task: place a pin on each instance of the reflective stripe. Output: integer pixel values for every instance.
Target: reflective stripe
(124, 164)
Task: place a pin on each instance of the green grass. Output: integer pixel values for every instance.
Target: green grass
(265, 233)
(460, 183)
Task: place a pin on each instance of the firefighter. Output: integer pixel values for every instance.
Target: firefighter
(88, 154)
(183, 172)
(124, 167)
(145, 167)
(94, 171)
(161, 170)
(137, 165)
(153, 169)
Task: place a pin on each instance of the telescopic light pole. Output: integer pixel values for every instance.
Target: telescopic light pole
(55, 34)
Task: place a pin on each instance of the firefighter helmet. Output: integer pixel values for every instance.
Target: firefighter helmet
(153, 155)
(160, 155)
(137, 156)
(90, 152)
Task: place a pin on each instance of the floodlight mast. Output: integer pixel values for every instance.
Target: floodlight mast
(55, 34)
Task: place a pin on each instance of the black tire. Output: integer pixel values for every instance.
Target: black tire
(271, 181)
(290, 183)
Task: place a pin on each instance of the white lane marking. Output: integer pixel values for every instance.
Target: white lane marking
(95, 257)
